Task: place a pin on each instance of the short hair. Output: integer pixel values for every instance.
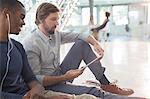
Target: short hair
(44, 10)
(10, 4)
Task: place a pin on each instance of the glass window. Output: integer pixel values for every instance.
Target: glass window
(149, 13)
(120, 14)
(102, 11)
(86, 15)
(74, 19)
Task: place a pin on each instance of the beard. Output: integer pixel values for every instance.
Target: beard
(48, 30)
(52, 31)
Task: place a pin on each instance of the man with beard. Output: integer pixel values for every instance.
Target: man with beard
(43, 46)
(17, 80)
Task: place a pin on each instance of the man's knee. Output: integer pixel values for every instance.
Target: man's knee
(82, 43)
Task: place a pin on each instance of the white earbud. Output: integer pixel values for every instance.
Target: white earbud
(8, 19)
(7, 15)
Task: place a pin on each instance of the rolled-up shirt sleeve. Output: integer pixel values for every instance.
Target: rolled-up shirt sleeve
(67, 37)
(33, 55)
(27, 72)
(85, 32)
(34, 61)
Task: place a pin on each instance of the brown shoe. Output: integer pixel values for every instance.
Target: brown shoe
(113, 88)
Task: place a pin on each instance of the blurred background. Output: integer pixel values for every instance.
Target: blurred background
(125, 39)
(128, 19)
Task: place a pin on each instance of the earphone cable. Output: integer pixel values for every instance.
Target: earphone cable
(10, 47)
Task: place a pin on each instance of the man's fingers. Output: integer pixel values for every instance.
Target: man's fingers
(27, 95)
(37, 96)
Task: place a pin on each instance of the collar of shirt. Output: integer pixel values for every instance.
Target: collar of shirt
(43, 36)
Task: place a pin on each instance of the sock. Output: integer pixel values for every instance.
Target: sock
(104, 80)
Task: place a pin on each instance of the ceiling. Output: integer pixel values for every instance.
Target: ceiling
(111, 2)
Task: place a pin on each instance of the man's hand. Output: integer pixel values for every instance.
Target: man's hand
(36, 96)
(96, 45)
(98, 49)
(71, 74)
(37, 92)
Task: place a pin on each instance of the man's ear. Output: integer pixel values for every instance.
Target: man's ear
(40, 21)
(6, 12)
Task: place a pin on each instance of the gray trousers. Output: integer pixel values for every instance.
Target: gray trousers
(81, 50)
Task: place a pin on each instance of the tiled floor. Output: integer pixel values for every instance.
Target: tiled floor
(126, 61)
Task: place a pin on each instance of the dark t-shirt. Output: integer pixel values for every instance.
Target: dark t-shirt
(19, 71)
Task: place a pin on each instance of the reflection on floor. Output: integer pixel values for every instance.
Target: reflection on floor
(126, 61)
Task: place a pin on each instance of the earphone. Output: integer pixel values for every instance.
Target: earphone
(10, 47)
(8, 19)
